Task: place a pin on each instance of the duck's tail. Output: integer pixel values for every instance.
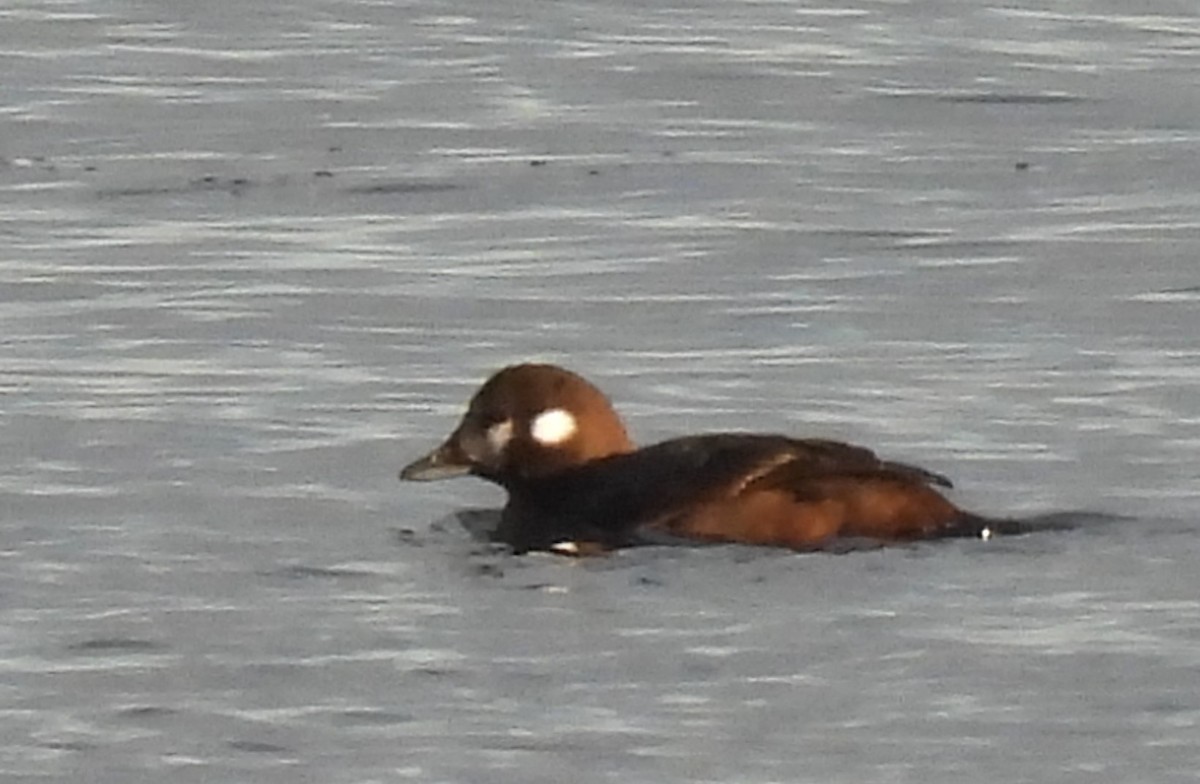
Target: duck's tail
(973, 526)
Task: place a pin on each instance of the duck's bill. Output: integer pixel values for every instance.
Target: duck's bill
(442, 463)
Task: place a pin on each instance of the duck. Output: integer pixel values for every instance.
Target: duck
(577, 484)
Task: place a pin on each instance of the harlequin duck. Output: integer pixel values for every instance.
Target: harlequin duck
(577, 484)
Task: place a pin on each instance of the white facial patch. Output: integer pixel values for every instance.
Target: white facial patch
(499, 434)
(552, 427)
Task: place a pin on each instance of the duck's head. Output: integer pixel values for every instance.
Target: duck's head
(527, 421)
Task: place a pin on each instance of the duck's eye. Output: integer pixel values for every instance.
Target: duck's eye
(553, 426)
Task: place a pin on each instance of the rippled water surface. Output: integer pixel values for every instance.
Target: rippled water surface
(254, 257)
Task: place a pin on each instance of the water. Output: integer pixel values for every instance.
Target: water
(255, 258)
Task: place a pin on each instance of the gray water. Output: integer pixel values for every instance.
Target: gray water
(254, 257)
